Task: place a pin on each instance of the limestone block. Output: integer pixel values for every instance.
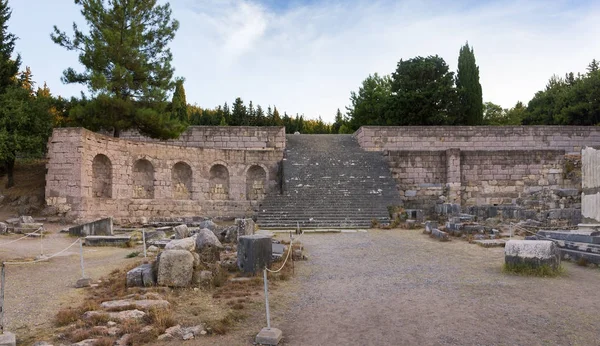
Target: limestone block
(142, 276)
(188, 244)
(532, 252)
(175, 268)
(181, 231)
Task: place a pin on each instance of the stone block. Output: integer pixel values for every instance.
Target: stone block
(440, 235)
(181, 231)
(534, 253)
(188, 244)
(98, 227)
(99, 240)
(175, 268)
(244, 227)
(269, 336)
(142, 276)
(8, 339)
(430, 226)
(254, 253)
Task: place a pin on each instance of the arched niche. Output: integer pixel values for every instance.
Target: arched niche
(181, 181)
(143, 179)
(256, 183)
(219, 182)
(101, 177)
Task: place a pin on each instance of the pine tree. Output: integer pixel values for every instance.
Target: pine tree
(127, 65)
(276, 119)
(470, 106)
(179, 103)
(238, 113)
(9, 67)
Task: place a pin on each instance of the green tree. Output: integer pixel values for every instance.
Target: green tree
(470, 100)
(25, 123)
(239, 113)
(339, 121)
(127, 65)
(368, 106)
(179, 102)
(9, 67)
(423, 93)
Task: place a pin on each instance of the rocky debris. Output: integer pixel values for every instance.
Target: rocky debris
(175, 268)
(182, 333)
(26, 219)
(188, 244)
(429, 226)
(244, 227)
(155, 235)
(208, 224)
(202, 277)
(120, 316)
(3, 228)
(208, 246)
(534, 253)
(230, 234)
(440, 235)
(83, 282)
(161, 243)
(153, 248)
(181, 231)
(490, 242)
(144, 304)
(86, 342)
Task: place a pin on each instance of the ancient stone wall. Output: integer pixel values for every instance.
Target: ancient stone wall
(571, 139)
(224, 137)
(91, 176)
(534, 179)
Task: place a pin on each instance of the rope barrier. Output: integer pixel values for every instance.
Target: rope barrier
(534, 233)
(287, 256)
(26, 236)
(46, 258)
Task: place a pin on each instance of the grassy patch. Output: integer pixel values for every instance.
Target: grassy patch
(223, 325)
(529, 270)
(132, 254)
(65, 317)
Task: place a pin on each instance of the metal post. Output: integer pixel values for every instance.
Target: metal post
(266, 297)
(81, 256)
(144, 241)
(41, 242)
(2, 300)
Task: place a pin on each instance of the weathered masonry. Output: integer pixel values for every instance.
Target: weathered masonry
(537, 167)
(208, 171)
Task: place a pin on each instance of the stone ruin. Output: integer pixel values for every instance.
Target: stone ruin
(507, 172)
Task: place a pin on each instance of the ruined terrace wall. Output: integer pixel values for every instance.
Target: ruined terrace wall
(91, 176)
(567, 138)
(222, 137)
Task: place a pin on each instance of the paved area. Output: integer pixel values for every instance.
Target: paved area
(400, 287)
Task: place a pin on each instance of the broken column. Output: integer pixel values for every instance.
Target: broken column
(254, 253)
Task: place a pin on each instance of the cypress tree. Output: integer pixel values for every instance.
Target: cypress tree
(179, 103)
(470, 107)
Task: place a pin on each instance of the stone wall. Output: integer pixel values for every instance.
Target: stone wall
(223, 137)
(91, 176)
(534, 179)
(567, 138)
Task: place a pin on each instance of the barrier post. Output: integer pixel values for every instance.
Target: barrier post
(81, 257)
(266, 297)
(2, 277)
(144, 240)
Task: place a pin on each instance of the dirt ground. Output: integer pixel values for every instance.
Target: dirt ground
(400, 287)
(384, 287)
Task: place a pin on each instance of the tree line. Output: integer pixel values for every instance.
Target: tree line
(126, 67)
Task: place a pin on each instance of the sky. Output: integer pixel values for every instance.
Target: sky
(306, 56)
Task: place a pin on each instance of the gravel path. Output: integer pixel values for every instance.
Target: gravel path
(401, 288)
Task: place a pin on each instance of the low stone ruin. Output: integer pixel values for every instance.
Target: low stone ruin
(532, 254)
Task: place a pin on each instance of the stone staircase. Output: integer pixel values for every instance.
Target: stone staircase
(330, 182)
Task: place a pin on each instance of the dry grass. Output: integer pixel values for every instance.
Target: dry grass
(105, 341)
(65, 317)
(223, 325)
(160, 319)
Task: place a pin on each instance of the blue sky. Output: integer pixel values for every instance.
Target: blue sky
(306, 56)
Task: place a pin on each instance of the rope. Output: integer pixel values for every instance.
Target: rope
(47, 258)
(287, 256)
(26, 236)
(534, 233)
